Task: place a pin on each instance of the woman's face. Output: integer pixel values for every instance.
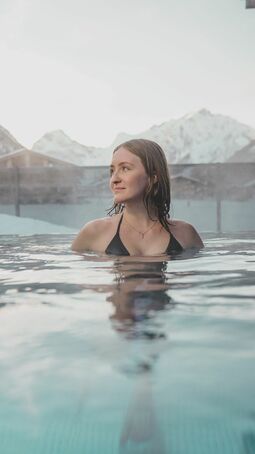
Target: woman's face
(128, 179)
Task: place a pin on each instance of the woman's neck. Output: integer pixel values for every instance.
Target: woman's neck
(137, 215)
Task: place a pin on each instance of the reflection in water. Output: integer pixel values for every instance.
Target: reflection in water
(135, 312)
(141, 430)
(139, 294)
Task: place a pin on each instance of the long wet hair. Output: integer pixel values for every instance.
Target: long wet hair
(158, 194)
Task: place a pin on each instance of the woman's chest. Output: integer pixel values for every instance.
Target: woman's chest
(139, 245)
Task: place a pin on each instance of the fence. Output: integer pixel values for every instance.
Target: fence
(78, 185)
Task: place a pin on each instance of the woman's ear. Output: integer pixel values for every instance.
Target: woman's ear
(155, 178)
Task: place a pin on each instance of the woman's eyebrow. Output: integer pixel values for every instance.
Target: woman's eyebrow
(121, 163)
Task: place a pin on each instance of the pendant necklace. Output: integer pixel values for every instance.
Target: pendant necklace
(138, 231)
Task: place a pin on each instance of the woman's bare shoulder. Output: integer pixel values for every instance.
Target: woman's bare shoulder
(98, 224)
(186, 234)
(91, 233)
(94, 234)
(94, 227)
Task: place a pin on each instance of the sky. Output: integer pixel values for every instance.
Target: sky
(95, 68)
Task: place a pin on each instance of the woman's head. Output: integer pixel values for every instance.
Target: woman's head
(154, 180)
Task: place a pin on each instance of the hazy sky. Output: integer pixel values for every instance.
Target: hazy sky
(95, 68)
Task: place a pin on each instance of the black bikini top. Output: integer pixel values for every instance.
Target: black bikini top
(116, 247)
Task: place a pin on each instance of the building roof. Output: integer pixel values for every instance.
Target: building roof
(20, 151)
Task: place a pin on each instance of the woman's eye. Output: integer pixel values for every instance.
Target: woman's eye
(124, 168)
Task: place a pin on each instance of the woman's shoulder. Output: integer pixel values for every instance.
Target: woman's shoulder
(91, 233)
(185, 233)
(97, 224)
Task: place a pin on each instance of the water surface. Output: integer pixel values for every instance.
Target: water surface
(127, 355)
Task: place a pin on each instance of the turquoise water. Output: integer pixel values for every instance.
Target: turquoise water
(127, 355)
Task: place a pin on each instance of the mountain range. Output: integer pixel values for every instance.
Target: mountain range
(199, 137)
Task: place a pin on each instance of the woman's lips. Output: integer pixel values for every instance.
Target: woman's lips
(118, 189)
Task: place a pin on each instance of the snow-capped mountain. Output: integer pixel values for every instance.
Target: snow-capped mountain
(199, 137)
(8, 144)
(58, 145)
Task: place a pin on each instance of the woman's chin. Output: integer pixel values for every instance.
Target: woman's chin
(119, 199)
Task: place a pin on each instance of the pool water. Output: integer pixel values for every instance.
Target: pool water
(127, 355)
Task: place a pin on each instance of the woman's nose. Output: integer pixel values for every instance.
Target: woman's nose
(115, 176)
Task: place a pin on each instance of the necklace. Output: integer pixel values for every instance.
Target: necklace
(138, 231)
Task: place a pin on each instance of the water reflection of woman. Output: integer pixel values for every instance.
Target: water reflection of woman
(138, 298)
(139, 293)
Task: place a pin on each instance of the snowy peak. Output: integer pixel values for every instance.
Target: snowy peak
(59, 145)
(55, 140)
(200, 137)
(8, 144)
(198, 114)
(58, 135)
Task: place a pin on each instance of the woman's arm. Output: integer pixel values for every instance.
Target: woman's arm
(85, 239)
(194, 238)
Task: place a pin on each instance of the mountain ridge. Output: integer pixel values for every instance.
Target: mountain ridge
(8, 143)
(196, 137)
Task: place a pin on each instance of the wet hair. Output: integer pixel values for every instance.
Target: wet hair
(157, 195)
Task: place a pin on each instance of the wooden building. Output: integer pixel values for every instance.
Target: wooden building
(186, 186)
(29, 158)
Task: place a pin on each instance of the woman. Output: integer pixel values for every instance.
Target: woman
(140, 182)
